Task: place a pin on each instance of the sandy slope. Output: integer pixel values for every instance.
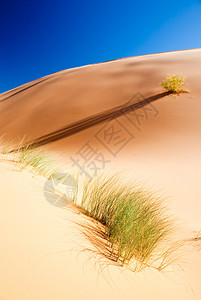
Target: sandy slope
(57, 100)
(161, 148)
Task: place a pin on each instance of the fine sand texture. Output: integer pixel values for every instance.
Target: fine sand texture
(117, 112)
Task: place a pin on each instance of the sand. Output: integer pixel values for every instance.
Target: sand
(41, 246)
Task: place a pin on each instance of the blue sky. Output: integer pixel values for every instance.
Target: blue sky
(40, 37)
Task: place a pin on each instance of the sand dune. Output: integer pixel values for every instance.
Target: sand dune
(158, 144)
(68, 96)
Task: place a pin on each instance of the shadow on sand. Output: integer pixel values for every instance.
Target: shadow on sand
(93, 120)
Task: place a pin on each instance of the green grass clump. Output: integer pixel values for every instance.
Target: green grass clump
(173, 83)
(38, 160)
(135, 221)
(27, 157)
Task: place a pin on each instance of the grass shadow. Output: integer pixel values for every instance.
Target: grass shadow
(93, 120)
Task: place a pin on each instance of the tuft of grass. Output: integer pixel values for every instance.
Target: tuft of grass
(37, 160)
(137, 227)
(173, 83)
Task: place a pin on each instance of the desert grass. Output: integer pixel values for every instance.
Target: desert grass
(137, 227)
(37, 161)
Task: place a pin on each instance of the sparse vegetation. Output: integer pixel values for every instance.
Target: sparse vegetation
(135, 221)
(173, 83)
(37, 160)
(137, 228)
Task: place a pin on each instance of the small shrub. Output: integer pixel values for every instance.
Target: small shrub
(173, 83)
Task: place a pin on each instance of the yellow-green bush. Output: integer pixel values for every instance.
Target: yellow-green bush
(173, 83)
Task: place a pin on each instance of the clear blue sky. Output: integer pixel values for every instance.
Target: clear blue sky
(39, 37)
